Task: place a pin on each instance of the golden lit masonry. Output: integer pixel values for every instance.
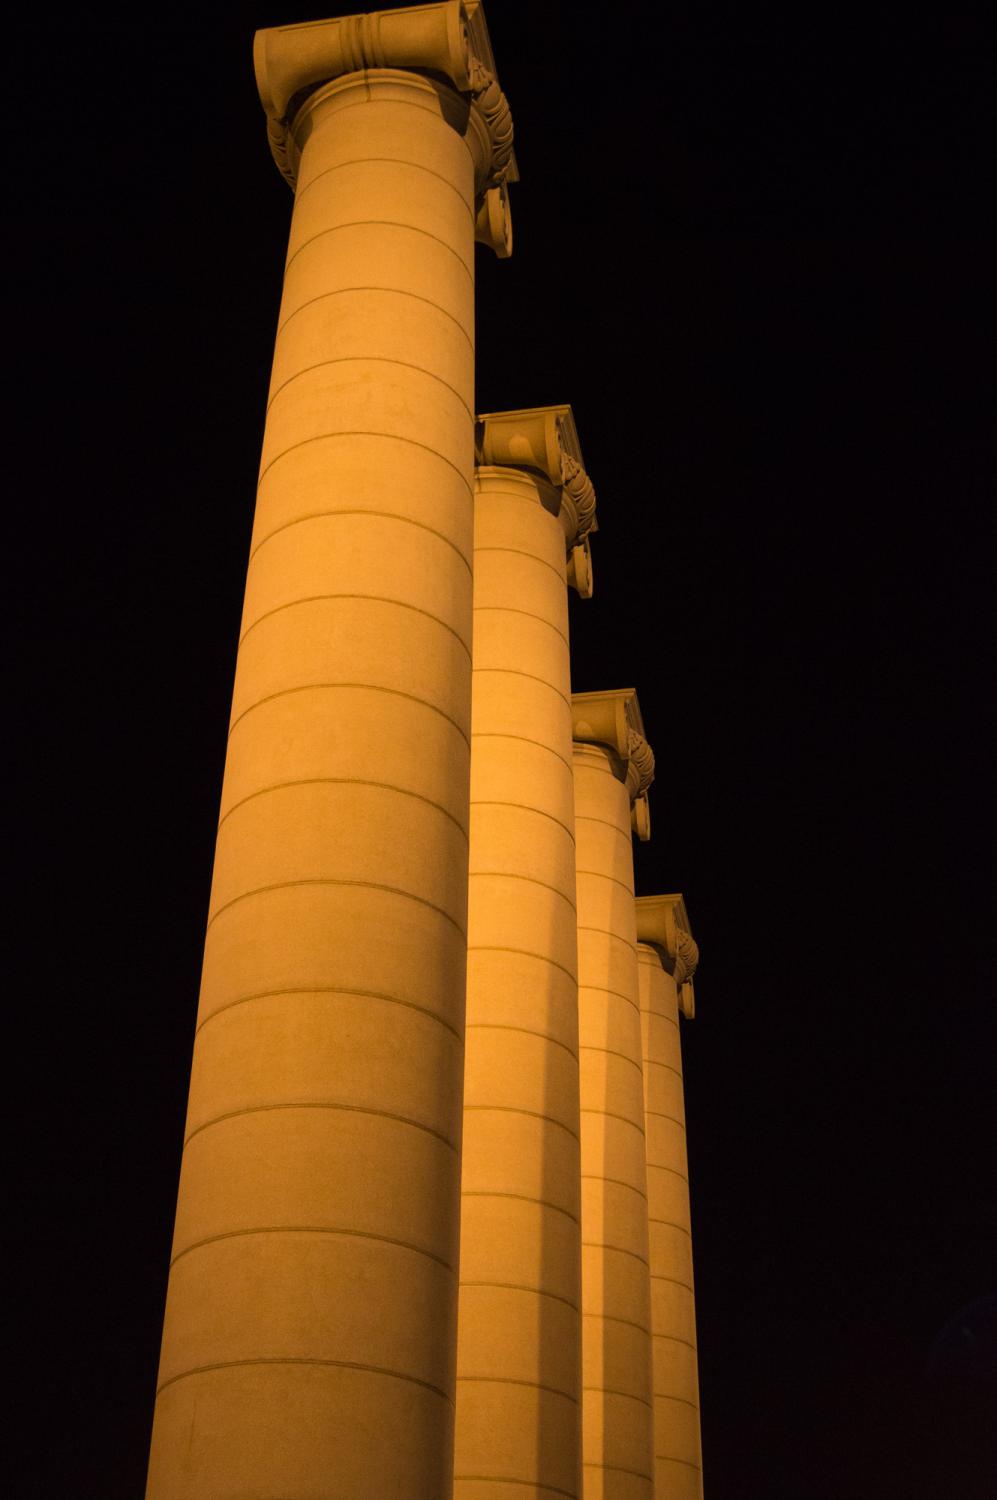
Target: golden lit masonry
(518, 1344)
(668, 957)
(310, 1331)
(613, 767)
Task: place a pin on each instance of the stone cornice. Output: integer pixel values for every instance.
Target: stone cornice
(447, 40)
(614, 719)
(543, 441)
(663, 922)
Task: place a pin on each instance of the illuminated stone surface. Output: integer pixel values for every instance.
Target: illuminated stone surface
(613, 767)
(518, 1346)
(309, 1337)
(667, 957)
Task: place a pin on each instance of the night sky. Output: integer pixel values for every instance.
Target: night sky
(754, 250)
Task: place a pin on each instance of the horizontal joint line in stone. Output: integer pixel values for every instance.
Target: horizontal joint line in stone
(324, 989)
(613, 1318)
(508, 609)
(658, 1114)
(619, 1250)
(520, 1197)
(625, 833)
(364, 687)
(384, 786)
(353, 1109)
(366, 598)
(657, 1276)
(522, 807)
(380, 224)
(530, 676)
(534, 1291)
(534, 1484)
(660, 1166)
(603, 989)
(533, 1385)
(513, 1109)
(522, 552)
(361, 1234)
(394, 437)
(599, 875)
(392, 291)
(495, 734)
(367, 885)
(523, 1031)
(379, 515)
(611, 1114)
(673, 1338)
(666, 1458)
(342, 1364)
(608, 1390)
(378, 359)
(612, 1052)
(667, 1396)
(514, 875)
(616, 1468)
(670, 1224)
(614, 935)
(652, 1062)
(522, 952)
(616, 1181)
(397, 161)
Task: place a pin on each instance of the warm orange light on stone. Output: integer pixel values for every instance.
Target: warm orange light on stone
(667, 958)
(613, 767)
(309, 1338)
(518, 1346)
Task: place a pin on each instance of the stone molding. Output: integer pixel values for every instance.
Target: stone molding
(663, 922)
(614, 719)
(448, 40)
(543, 441)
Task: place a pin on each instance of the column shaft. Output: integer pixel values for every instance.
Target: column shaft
(616, 1351)
(677, 1454)
(310, 1325)
(518, 1350)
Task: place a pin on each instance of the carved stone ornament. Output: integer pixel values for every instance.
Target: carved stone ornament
(543, 441)
(614, 719)
(448, 40)
(663, 922)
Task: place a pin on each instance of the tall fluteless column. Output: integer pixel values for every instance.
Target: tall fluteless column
(518, 1344)
(613, 767)
(667, 957)
(310, 1331)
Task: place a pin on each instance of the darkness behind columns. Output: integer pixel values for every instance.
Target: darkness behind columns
(754, 252)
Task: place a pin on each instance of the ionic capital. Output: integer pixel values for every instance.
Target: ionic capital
(663, 922)
(448, 40)
(543, 440)
(614, 719)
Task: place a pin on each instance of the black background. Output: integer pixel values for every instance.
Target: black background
(754, 250)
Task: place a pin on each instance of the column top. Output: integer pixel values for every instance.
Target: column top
(614, 719)
(543, 440)
(449, 38)
(663, 923)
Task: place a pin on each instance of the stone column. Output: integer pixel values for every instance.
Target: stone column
(310, 1329)
(518, 1345)
(667, 958)
(613, 767)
